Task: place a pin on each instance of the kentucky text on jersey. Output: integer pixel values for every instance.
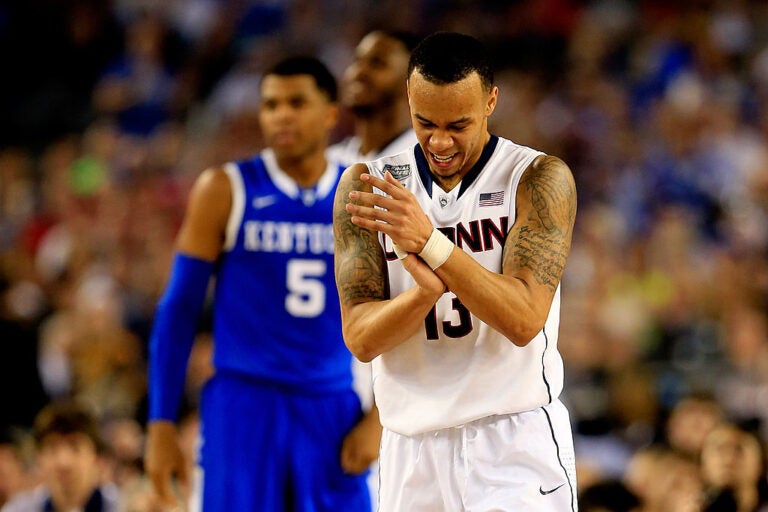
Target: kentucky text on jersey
(476, 235)
(285, 237)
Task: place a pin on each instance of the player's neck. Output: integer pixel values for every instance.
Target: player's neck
(305, 171)
(380, 128)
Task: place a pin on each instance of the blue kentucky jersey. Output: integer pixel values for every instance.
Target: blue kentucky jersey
(276, 309)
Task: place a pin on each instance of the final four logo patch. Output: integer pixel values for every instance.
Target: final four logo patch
(399, 172)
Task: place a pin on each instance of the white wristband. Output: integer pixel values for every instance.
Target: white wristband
(401, 254)
(437, 249)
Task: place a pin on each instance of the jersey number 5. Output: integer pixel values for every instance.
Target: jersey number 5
(463, 328)
(306, 291)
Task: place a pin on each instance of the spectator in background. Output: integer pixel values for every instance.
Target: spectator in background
(733, 468)
(18, 358)
(664, 481)
(13, 466)
(138, 88)
(690, 422)
(68, 447)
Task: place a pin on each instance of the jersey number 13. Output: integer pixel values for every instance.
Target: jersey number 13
(450, 329)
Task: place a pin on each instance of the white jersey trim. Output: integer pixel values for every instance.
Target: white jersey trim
(327, 181)
(282, 181)
(238, 205)
(288, 185)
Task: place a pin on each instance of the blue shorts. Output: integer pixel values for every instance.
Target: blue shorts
(269, 449)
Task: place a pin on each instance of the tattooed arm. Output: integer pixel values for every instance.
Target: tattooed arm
(517, 301)
(372, 322)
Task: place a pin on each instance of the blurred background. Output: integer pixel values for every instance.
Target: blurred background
(110, 109)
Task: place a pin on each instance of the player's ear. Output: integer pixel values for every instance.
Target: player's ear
(493, 97)
(408, 95)
(332, 115)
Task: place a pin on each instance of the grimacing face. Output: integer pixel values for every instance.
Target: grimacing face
(295, 116)
(451, 123)
(377, 75)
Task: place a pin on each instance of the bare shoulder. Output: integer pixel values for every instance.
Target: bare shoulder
(208, 210)
(539, 241)
(549, 172)
(350, 179)
(548, 188)
(212, 185)
(359, 264)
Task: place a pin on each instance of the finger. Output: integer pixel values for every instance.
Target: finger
(353, 463)
(368, 199)
(155, 504)
(395, 190)
(424, 276)
(183, 479)
(372, 225)
(161, 485)
(367, 212)
(166, 498)
(347, 455)
(356, 467)
(394, 181)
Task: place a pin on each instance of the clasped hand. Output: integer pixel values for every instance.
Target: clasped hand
(396, 214)
(399, 216)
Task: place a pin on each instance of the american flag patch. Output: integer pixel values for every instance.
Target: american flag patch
(491, 198)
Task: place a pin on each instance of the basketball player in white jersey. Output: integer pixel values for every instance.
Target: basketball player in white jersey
(373, 89)
(448, 262)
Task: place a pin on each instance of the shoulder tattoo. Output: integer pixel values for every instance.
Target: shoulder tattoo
(541, 240)
(359, 261)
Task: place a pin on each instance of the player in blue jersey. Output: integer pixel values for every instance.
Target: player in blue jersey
(281, 427)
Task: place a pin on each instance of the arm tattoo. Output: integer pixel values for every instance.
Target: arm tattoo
(359, 261)
(540, 242)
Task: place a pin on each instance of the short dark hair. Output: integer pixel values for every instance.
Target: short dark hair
(408, 39)
(66, 417)
(448, 57)
(303, 65)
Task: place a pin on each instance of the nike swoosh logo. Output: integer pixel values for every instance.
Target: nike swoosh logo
(544, 493)
(263, 201)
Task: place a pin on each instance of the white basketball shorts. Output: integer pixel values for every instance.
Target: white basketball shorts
(520, 462)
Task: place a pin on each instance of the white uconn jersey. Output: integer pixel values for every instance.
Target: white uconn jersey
(457, 369)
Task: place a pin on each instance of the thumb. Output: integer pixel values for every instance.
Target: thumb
(347, 454)
(161, 483)
(183, 478)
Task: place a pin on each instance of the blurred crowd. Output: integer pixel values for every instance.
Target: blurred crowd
(111, 109)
